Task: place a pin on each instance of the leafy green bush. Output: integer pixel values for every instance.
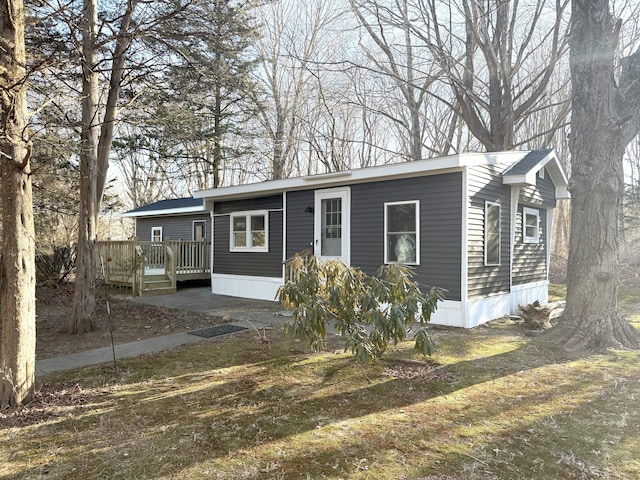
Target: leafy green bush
(368, 311)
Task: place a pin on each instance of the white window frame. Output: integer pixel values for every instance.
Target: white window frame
(530, 212)
(541, 173)
(386, 233)
(488, 204)
(249, 247)
(156, 229)
(344, 194)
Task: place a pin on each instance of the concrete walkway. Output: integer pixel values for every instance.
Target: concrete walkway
(242, 312)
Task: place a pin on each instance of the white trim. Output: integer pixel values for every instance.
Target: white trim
(464, 260)
(417, 231)
(430, 166)
(166, 211)
(533, 212)
(487, 203)
(161, 234)
(249, 247)
(344, 193)
(284, 233)
(213, 237)
(245, 286)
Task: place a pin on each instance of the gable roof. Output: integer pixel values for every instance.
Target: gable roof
(428, 166)
(174, 206)
(524, 171)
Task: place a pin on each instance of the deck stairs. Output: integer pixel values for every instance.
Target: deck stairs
(156, 285)
(153, 268)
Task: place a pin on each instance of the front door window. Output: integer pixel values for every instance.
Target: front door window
(331, 228)
(332, 223)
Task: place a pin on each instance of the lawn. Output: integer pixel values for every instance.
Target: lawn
(497, 402)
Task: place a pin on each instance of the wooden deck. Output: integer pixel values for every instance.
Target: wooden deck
(152, 268)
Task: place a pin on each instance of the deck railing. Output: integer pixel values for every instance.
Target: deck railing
(130, 262)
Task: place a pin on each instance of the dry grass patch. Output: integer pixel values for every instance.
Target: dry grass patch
(493, 403)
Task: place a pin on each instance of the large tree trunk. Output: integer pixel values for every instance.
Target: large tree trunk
(592, 318)
(82, 318)
(95, 149)
(18, 349)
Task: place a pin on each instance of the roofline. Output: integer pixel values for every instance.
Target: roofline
(558, 177)
(166, 211)
(383, 172)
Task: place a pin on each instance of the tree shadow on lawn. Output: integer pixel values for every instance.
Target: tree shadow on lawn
(212, 411)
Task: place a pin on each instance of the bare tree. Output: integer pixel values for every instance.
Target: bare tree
(17, 282)
(394, 54)
(95, 148)
(290, 46)
(498, 59)
(605, 119)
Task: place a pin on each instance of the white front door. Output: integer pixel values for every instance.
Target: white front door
(331, 224)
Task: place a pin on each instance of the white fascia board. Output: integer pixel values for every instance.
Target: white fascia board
(166, 211)
(383, 172)
(516, 180)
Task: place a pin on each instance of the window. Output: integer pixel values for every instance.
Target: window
(541, 173)
(249, 231)
(530, 225)
(491, 233)
(156, 234)
(402, 235)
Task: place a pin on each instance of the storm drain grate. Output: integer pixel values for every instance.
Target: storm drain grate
(215, 331)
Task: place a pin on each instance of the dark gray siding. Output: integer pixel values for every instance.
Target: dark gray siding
(299, 222)
(174, 227)
(485, 185)
(259, 264)
(440, 199)
(529, 259)
(543, 193)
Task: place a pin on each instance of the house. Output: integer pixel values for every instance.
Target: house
(477, 224)
(177, 219)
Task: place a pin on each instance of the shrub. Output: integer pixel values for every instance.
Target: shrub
(368, 311)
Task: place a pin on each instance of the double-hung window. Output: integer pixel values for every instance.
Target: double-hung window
(491, 233)
(250, 231)
(402, 232)
(530, 225)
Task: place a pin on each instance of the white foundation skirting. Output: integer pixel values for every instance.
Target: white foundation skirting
(449, 313)
(258, 288)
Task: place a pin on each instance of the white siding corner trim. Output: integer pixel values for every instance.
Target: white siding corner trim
(244, 286)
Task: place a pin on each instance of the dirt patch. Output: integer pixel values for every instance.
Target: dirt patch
(131, 321)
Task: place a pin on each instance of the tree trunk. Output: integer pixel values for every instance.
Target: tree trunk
(592, 319)
(18, 348)
(95, 148)
(82, 318)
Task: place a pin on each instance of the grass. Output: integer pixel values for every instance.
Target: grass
(493, 403)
